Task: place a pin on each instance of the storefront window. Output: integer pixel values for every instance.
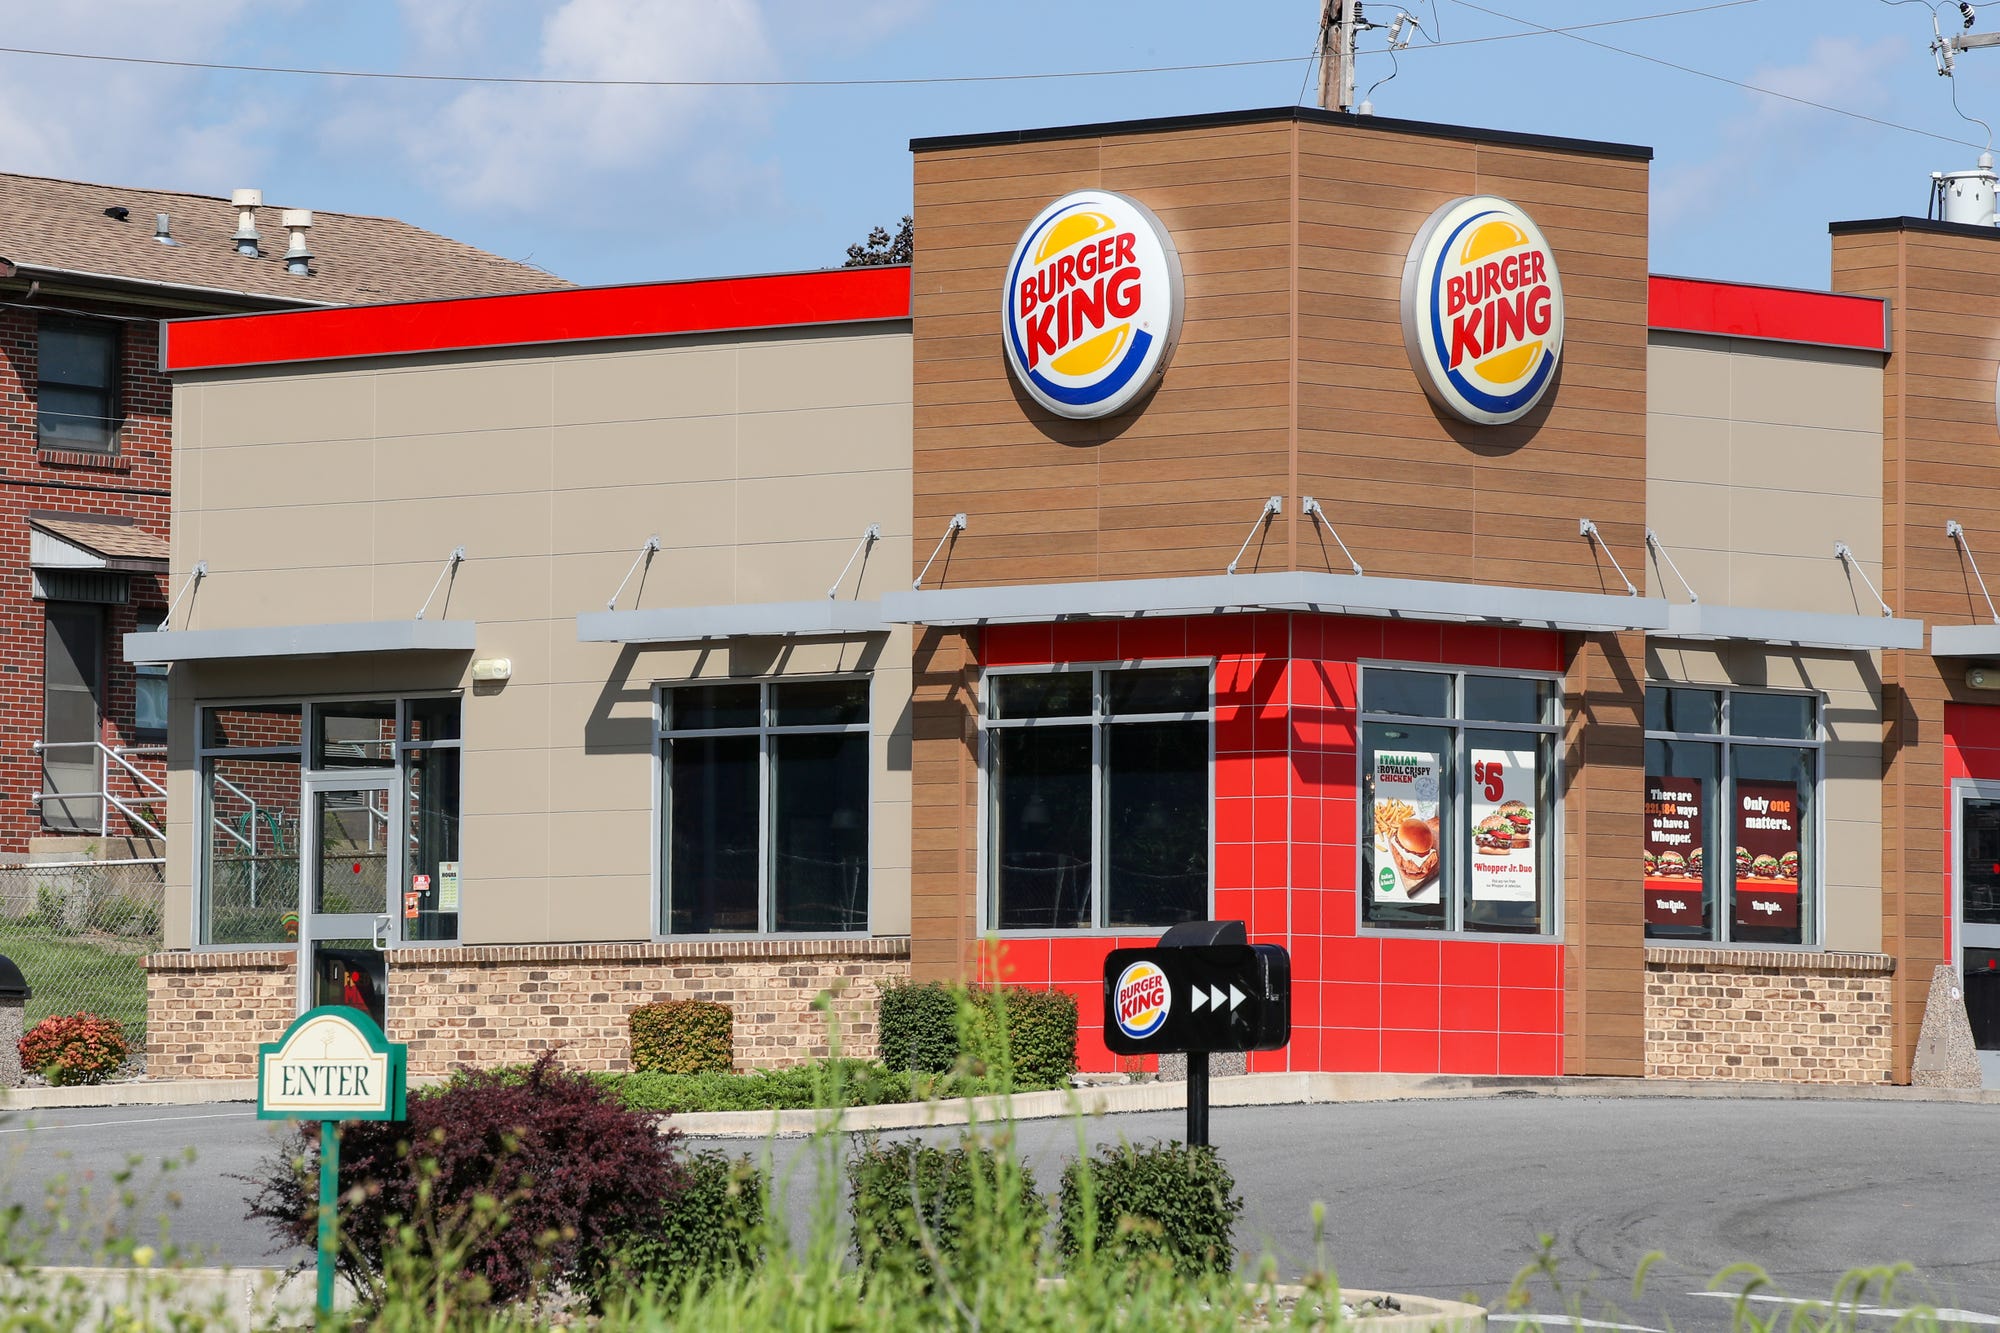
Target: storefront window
(1458, 777)
(1731, 852)
(1098, 783)
(764, 796)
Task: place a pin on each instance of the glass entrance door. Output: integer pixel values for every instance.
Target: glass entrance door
(352, 865)
(1978, 918)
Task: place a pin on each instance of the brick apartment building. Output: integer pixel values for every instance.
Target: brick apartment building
(86, 273)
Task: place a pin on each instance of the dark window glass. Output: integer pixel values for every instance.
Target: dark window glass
(1771, 899)
(1173, 690)
(1156, 823)
(820, 703)
(1507, 699)
(1689, 849)
(433, 720)
(355, 735)
(1698, 711)
(1979, 861)
(1783, 716)
(432, 863)
(1056, 694)
(1412, 693)
(1401, 876)
(274, 726)
(149, 688)
(72, 718)
(1040, 827)
(711, 707)
(77, 399)
(1494, 886)
(249, 845)
(819, 832)
(712, 834)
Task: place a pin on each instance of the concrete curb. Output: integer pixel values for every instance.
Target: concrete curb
(140, 1092)
(1272, 1090)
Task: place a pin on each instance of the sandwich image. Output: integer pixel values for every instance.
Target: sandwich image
(1742, 863)
(1495, 833)
(1694, 862)
(1652, 863)
(1522, 818)
(1673, 863)
(1414, 849)
(1788, 866)
(1765, 867)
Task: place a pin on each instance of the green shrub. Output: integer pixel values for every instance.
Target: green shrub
(1041, 1035)
(1164, 1203)
(916, 1205)
(918, 1026)
(74, 1048)
(712, 1228)
(798, 1088)
(926, 1028)
(683, 1037)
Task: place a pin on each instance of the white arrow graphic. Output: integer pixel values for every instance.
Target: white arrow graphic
(1199, 1000)
(1215, 997)
(1236, 997)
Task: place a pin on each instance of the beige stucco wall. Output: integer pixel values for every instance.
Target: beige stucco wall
(334, 494)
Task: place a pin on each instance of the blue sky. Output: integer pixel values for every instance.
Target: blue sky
(608, 185)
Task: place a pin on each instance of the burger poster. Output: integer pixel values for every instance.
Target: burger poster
(1674, 878)
(1406, 826)
(1503, 826)
(1767, 854)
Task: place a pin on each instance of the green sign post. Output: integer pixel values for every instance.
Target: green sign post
(332, 1064)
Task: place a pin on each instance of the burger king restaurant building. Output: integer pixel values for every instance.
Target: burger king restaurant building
(1322, 522)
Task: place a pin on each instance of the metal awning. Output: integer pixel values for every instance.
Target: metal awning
(333, 640)
(1965, 641)
(688, 624)
(1802, 629)
(1331, 594)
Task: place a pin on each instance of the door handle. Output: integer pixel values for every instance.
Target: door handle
(383, 925)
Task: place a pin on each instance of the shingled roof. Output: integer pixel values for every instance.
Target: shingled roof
(50, 224)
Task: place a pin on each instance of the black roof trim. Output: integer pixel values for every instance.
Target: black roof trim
(1912, 224)
(1310, 115)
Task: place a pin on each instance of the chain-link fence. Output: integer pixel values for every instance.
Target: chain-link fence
(80, 932)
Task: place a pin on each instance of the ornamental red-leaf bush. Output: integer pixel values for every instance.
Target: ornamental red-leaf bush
(75, 1048)
(575, 1174)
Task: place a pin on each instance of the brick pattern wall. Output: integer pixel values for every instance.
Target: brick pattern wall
(1769, 1015)
(206, 1013)
(494, 1005)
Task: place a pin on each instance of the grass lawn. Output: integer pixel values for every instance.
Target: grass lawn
(68, 973)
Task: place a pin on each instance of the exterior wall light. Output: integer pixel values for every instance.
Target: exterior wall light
(492, 668)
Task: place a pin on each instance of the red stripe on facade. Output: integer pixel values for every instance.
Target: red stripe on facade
(1780, 314)
(781, 300)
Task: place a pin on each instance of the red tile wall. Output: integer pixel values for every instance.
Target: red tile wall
(1971, 750)
(1285, 821)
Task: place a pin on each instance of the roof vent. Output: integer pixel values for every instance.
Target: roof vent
(163, 231)
(298, 256)
(118, 212)
(246, 203)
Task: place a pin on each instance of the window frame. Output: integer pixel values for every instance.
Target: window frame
(154, 619)
(398, 787)
(767, 731)
(1459, 834)
(1812, 918)
(114, 393)
(1097, 719)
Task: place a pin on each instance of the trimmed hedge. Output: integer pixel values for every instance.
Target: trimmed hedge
(683, 1037)
(797, 1088)
(712, 1228)
(931, 1028)
(1164, 1202)
(912, 1200)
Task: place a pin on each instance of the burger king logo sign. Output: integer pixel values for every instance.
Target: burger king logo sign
(1141, 999)
(1092, 307)
(1483, 310)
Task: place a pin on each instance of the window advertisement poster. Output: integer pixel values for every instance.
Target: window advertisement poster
(1406, 826)
(1767, 854)
(1503, 826)
(1674, 841)
(447, 886)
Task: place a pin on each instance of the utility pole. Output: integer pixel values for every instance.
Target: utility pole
(1337, 20)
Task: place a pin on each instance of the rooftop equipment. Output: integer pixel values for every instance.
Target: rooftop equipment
(246, 203)
(298, 256)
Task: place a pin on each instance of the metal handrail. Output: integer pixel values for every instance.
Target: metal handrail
(106, 800)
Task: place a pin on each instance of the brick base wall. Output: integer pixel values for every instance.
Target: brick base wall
(495, 1005)
(1765, 1014)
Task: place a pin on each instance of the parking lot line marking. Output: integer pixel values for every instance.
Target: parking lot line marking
(150, 1120)
(1946, 1316)
(1565, 1321)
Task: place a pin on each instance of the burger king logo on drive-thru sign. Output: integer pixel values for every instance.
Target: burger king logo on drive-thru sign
(1141, 1000)
(1093, 304)
(1483, 310)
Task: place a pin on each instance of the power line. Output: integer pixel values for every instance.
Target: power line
(222, 67)
(1719, 78)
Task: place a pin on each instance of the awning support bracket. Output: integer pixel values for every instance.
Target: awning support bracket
(451, 562)
(1953, 530)
(1311, 508)
(1659, 548)
(646, 553)
(195, 575)
(951, 529)
(868, 539)
(1274, 505)
(1846, 556)
(1585, 528)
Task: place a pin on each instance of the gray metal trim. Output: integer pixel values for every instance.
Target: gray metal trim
(1965, 641)
(1804, 629)
(1333, 594)
(687, 624)
(331, 640)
